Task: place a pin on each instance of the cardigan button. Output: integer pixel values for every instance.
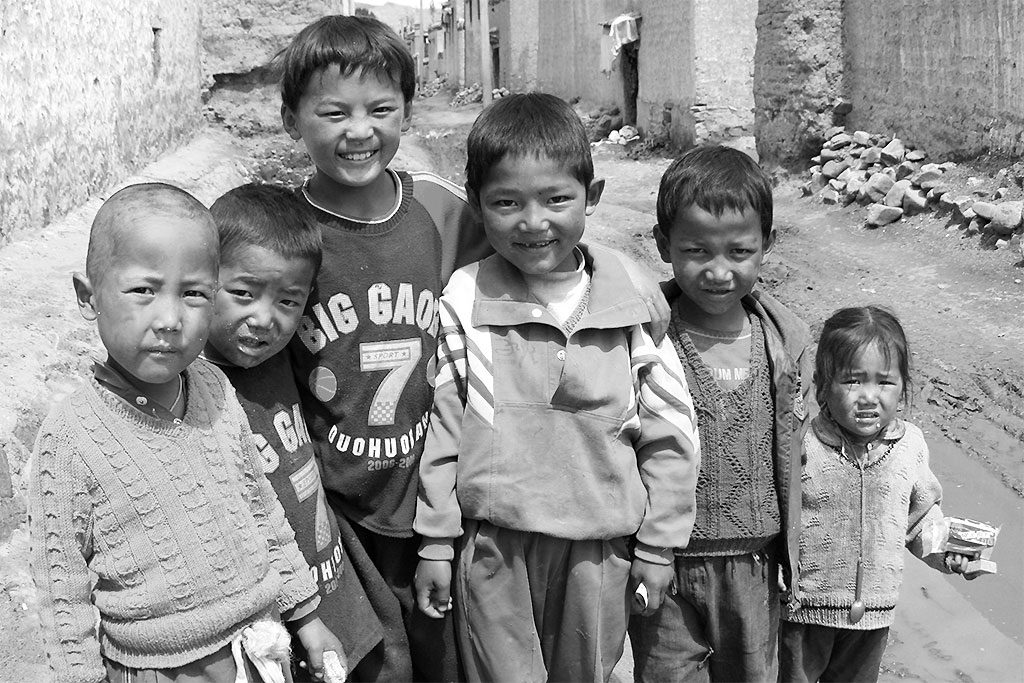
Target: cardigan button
(560, 355)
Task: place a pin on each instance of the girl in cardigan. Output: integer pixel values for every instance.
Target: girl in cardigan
(867, 492)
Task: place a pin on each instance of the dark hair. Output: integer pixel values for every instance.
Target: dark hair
(527, 124)
(116, 214)
(354, 43)
(715, 178)
(851, 330)
(267, 216)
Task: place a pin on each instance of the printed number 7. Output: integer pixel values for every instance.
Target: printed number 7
(400, 357)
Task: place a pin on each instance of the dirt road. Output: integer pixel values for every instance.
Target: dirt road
(962, 306)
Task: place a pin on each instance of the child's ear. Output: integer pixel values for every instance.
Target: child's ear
(661, 239)
(85, 296)
(407, 117)
(288, 119)
(473, 198)
(769, 244)
(594, 194)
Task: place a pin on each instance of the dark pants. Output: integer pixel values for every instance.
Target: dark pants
(412, 640)
(721, 625)
(809, 653)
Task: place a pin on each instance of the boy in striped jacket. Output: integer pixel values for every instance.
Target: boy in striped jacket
(562, 450)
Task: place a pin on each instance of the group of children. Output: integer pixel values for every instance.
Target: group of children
(444, 436)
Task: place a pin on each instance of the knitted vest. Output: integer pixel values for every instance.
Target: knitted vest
(737, 502)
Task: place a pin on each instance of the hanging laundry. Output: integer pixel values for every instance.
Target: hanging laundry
(624, 29)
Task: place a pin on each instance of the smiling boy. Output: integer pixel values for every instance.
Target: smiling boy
(390, 241)
(560, 429)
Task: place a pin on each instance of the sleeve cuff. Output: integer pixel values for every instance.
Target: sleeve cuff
(652, 554)
(303, 609)
(437, 549)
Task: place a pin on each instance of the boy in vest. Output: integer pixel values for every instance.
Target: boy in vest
(747, 365)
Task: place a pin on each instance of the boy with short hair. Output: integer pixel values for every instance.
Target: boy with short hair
(390, 241)
(147, 478)
(748, 366)
(269, 256)
(559, 430)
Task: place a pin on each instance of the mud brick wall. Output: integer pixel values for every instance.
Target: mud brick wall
(798, 71)
(241, 37)
(568, 61)
(519, 22)
(945, 75)
(696, 69)
(88, 92)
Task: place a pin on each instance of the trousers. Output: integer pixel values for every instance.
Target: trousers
(531, 607)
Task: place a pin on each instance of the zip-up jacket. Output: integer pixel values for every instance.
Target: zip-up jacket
(587, 437)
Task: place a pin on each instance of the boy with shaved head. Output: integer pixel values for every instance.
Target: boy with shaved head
(148, 502)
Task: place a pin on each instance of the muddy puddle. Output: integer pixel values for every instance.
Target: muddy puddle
(970, 490)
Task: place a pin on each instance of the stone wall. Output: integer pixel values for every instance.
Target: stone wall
(946, 76)
(724, 34)
(798, 70)
(696, 69)
(88, 92)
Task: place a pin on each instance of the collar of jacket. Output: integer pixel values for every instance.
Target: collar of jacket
(503, 298)
(831, 434)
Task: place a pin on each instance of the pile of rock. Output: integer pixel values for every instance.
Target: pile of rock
(475, 93)
(622, 136)
(894, 180)
(601, 121)
(432, 87)
(468, 95)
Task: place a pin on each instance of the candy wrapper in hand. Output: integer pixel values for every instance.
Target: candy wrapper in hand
(334, 667)
(973, 539)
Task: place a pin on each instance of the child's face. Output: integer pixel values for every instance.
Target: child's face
(258, 305)
(715, 261)
(534, 212)
(863, 398)
(351, 125)
(154, 302)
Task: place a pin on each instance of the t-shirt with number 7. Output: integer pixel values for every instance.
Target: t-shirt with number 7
(366, 338)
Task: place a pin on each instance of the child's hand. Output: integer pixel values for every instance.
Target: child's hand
(656, 577)
(433, 582)
(649, 290)
(957, 563)
(318, 639)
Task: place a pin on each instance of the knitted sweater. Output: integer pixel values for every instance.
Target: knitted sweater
(901, 499)
(183, 532)
(737, 503)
